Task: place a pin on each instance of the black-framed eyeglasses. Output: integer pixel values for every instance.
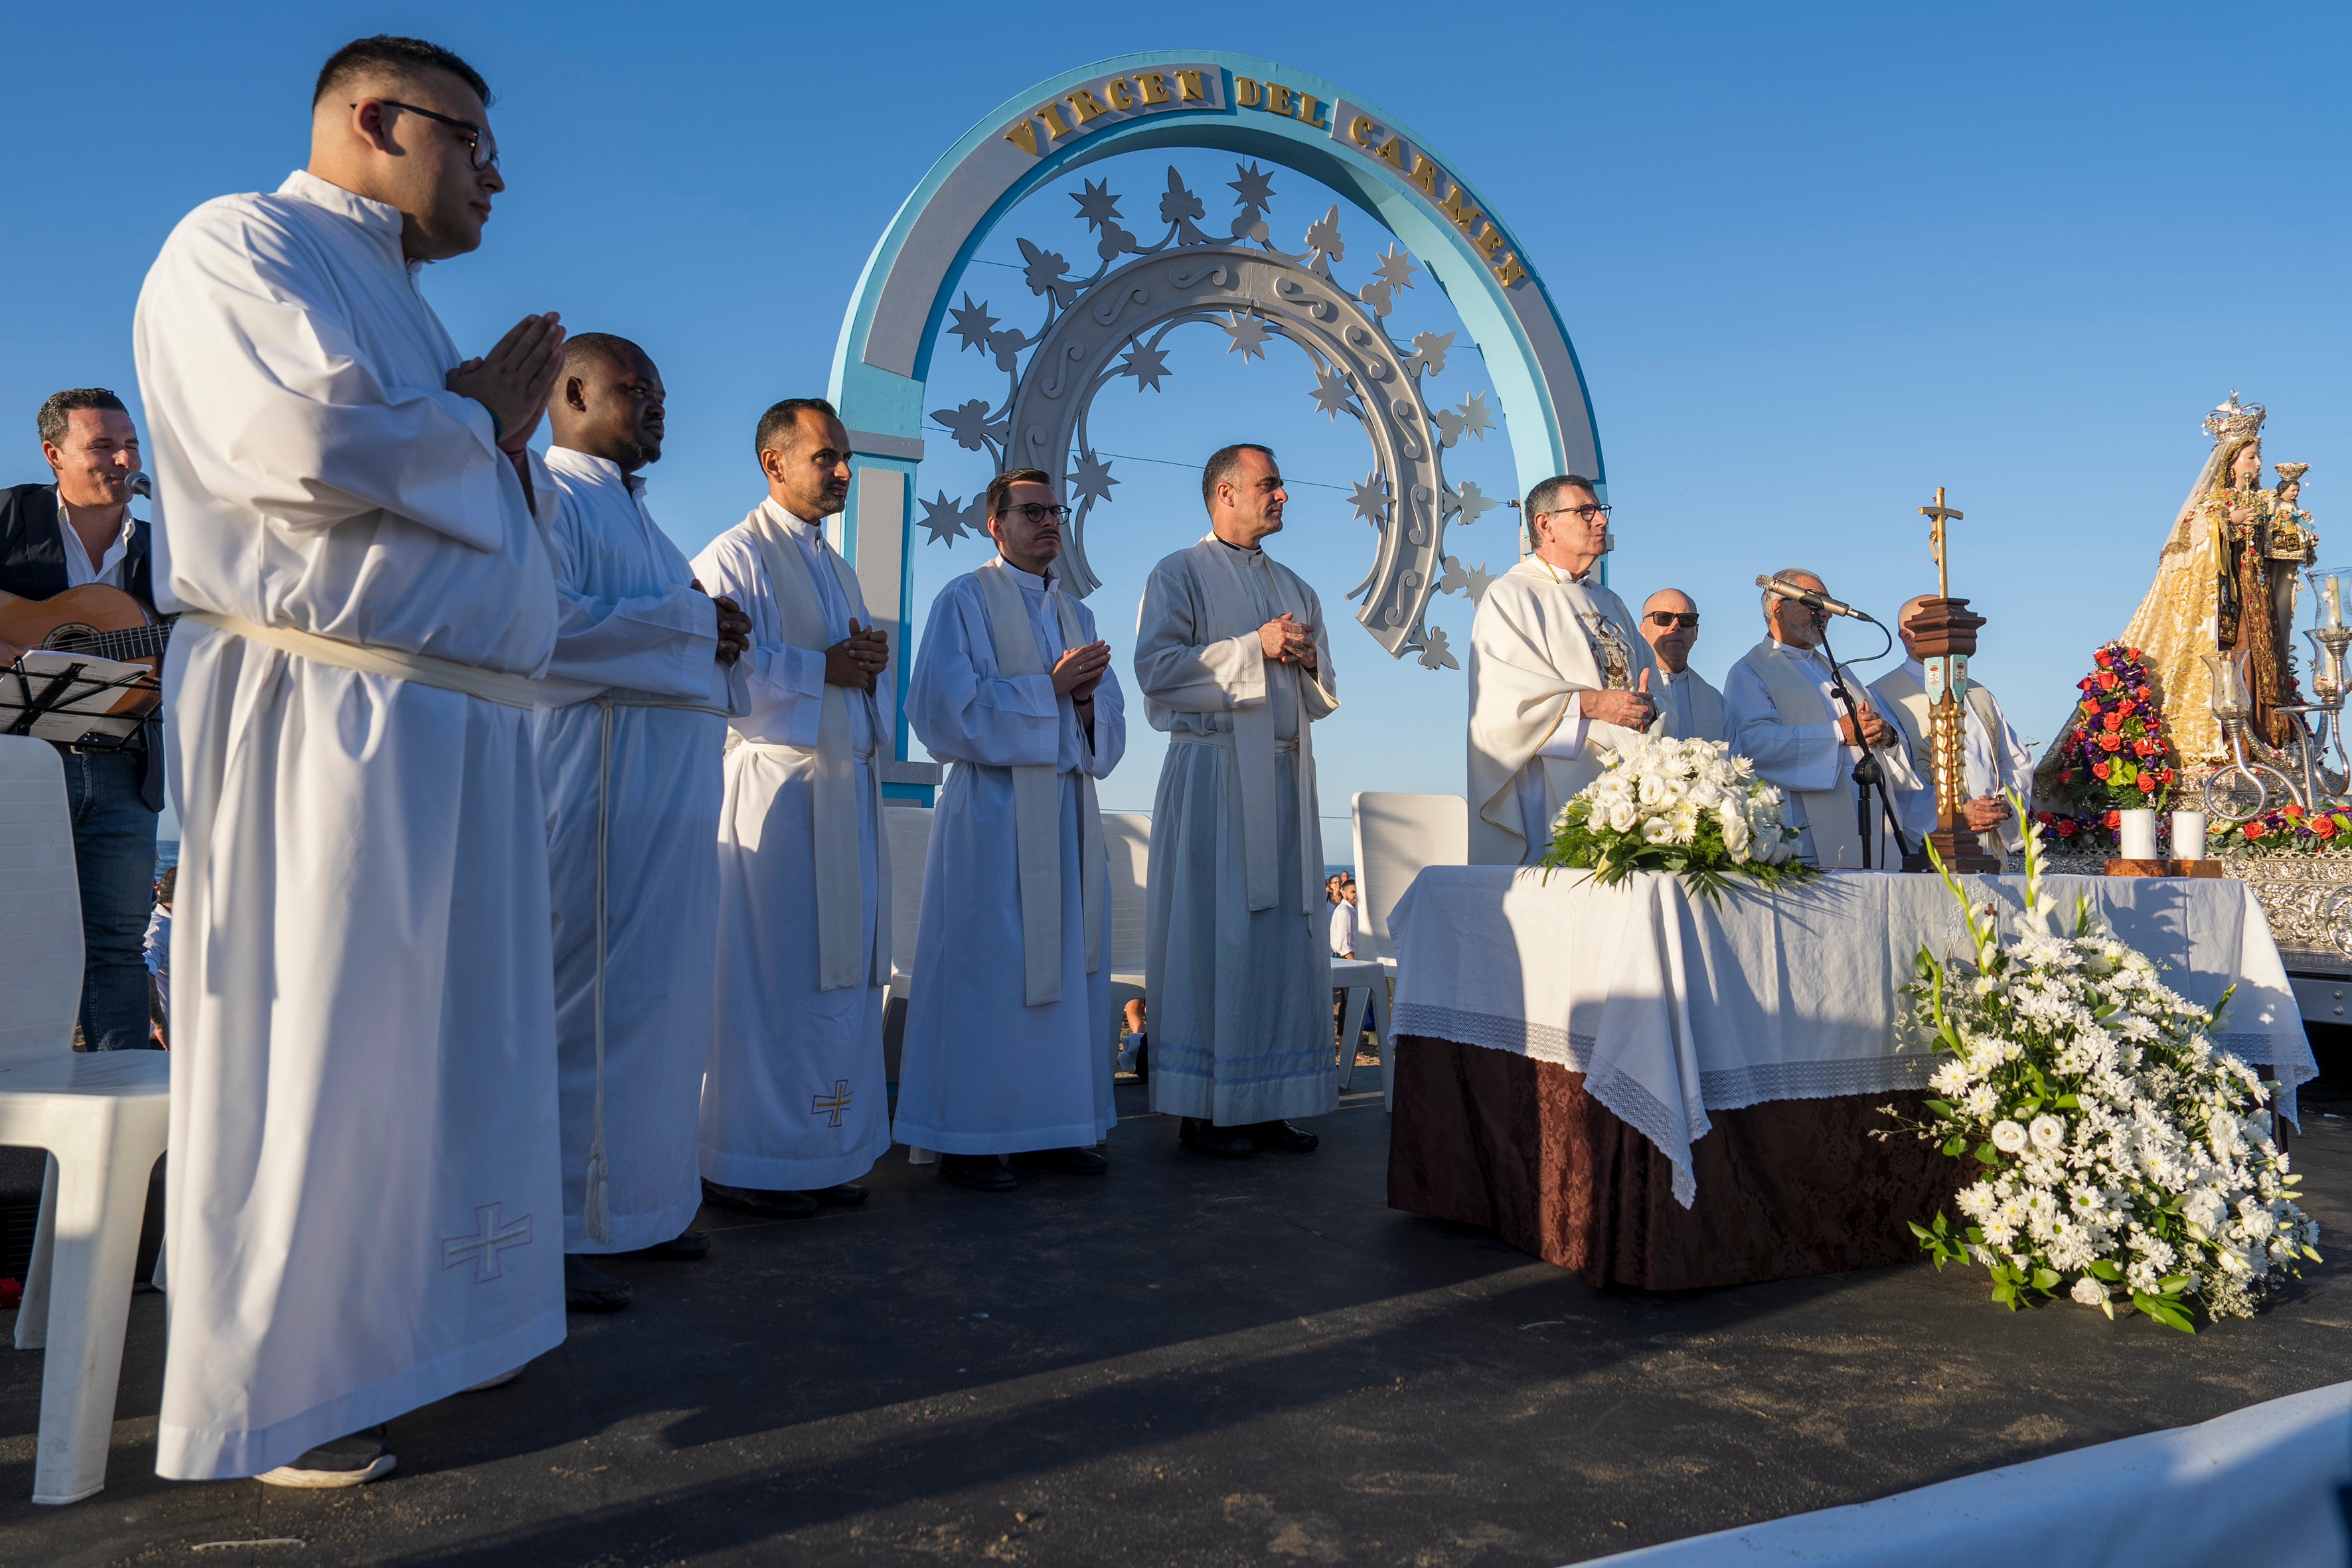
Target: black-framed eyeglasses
(1038, 512)
(1672, 618)
(475, 138)
(1585, 514)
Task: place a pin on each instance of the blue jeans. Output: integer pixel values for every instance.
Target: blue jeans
(114, 860)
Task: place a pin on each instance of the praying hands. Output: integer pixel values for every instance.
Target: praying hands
(857, 659)
(1287, 642)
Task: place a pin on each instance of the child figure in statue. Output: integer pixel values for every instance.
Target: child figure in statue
(2293, 546)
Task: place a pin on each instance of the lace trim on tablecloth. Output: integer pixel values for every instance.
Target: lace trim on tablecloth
(2257, 1051)
(1496, 1032)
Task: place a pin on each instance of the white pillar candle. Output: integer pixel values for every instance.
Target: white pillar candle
(2189, 835)
(2138, 834)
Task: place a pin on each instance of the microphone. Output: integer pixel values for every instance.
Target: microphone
(141, 485)
(1811, 600)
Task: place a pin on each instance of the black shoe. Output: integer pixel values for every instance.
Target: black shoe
(980, 1172)
(1076, 1162)
(844, 1195)
(1281, 1137)
(1229, 1142)
(760, 1200)
(345, 1462)
(588, 1288)
(685, 1246)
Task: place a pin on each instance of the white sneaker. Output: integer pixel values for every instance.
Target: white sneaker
(346, 1462)
(488, 1383)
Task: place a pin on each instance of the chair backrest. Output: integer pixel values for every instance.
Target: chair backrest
(40, 908)
(1396, 835)
(911, 845)
(1127, 845)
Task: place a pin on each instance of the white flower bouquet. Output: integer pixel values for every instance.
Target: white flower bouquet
(2120, 1156)
(1691, 807)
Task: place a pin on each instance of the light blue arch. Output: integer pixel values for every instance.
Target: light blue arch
(882, 358)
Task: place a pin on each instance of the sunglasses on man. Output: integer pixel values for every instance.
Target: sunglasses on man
(1672, 618)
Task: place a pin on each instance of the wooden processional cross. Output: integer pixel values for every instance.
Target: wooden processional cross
(1946, 634)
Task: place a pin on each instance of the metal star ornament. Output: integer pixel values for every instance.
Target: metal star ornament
(1099, 206)
(945, 518)
(1249, 334)
(1147, 363)
(1332, 393)
(973, 323)
(1396, 268)
(1093, 481)
(1255, 186)
(1370, 500)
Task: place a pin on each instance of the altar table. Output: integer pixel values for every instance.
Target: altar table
(1653, 1091)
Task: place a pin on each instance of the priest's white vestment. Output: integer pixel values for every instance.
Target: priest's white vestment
(1008, 1025)
(1697, 707)
(1993, 757)
(629, 757)
(1783, 715)
(1539, 639)
(1237, 968)
(364, 1212)
(793, 1093)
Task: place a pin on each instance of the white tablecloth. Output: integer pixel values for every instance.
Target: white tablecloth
(1671, 1006)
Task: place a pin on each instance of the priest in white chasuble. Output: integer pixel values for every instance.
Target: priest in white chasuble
(793, 1089)
(1234, 663)
(1559, 673)
(629, 753)
(1670, 626)
(1008, 1025)
(364, 1211)
(1784, 715)
(1993, 756)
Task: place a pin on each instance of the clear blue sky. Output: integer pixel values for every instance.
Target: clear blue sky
(1815, 261)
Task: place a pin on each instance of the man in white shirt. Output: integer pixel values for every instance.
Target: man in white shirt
(1559, 674)
(1670, 626)
(629, 755)
(1994, 757)
(1781, 712)
(365, 1199)
(1343, 920)
(77, 532)
(794, 1092)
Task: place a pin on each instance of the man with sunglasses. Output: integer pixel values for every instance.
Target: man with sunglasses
(1559, 673)
(365, 1211)
(1670, 626)
(1011, 1003)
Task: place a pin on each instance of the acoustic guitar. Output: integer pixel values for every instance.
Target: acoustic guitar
(95, 619)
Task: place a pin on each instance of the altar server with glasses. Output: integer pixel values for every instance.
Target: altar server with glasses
(1994, 759)
(793, 1097)
(1234, 664)
(629, 757)
(1009, 1019)
(1559, 673)
(1783, 713)
(364, 1212)
(1670, 626)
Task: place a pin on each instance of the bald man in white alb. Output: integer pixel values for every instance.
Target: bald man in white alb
(1670, 626)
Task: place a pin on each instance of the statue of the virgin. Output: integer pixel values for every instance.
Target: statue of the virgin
(2212, 594)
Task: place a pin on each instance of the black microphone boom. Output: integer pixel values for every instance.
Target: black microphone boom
(1810, 600)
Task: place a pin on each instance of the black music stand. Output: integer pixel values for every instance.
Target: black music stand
(65, 698)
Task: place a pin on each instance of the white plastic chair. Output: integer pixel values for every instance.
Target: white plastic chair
(103, 1117)
(1126, 847)
(1396, 836)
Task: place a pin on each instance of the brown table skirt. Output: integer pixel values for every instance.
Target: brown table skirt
(1786, 1189)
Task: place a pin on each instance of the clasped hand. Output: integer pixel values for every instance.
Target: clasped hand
(1635, 709)
(734, 626)
(1875, 730)
(1287, 642)
(857, 659)
(1078, 671)
(1985, 813)
(514, 380)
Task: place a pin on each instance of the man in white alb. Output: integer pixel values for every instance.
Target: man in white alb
(1010, 1016)
(365, 1210)
(793, 1089)
(1993, 757)
(1670, 626)
(1781, 711)
(1232, 656)
(1559, 673)
(629, 756)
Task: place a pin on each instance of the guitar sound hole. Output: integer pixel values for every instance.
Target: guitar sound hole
(64, 637)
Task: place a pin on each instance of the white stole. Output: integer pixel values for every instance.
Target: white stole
(1796, 694)
(1231, 603)
(1037, 801)
(840, 891)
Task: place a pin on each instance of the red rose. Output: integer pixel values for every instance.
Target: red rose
(2291, 811)
(2324, 827)
(2106, 682)
(2132, 654)
(2165, 775)
(2100, 770)
(2112, 722)
(2069, 777)
(2254, 829)
(2126, 708)
(2112, 821)
(2068, 827)
(2111, 742)
(2147, 784)
(2144, 694)
(2100, 659)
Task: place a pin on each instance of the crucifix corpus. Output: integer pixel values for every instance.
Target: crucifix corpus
(1945, 635)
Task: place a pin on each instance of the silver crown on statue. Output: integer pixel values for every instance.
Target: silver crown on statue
(2232, 419)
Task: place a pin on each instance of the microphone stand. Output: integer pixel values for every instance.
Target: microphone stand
(1867, 773)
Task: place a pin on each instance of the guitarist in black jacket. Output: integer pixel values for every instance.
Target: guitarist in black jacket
(74, 530)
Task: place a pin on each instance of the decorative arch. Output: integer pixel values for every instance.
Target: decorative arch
(1263, 112)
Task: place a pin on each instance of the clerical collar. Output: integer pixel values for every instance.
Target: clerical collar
(1237, 549)
(603, 468)
(1040, 581)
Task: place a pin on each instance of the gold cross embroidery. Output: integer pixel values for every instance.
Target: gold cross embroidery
(819, 1104)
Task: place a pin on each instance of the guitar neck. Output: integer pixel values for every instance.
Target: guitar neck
(127, 643)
